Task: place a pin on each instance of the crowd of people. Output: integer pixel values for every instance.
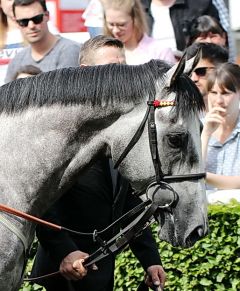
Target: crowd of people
(131, 32)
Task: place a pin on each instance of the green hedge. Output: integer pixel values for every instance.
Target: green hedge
(212, 264)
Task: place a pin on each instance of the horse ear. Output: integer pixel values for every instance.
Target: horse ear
(177, 70)
(191, 63)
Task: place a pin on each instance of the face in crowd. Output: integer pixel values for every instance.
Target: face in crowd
(222, 97)
(199, 76)
(212, 38)
(109, 55)
(32, 21)
(224, 90)
(120, 24)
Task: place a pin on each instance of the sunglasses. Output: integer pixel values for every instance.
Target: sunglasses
(36, 20)
(201, 72)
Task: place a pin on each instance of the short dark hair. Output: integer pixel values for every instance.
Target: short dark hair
(203, 25)
(90, 46)
(214, 53)
(28, 2)
(28, 69)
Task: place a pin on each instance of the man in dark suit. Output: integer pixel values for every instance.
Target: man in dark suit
(99, 197)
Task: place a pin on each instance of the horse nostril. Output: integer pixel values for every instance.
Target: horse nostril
(194, 236)
(200, 231)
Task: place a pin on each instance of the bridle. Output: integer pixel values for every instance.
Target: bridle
(152, 135)
(143, 213)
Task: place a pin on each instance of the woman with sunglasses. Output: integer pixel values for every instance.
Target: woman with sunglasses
(221, 130)
(11, 41)
(126, 21)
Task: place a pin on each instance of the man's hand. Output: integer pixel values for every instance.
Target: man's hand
(155, 276)
(72, 267)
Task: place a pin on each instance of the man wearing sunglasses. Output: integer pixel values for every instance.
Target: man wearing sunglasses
(211, 56)
(46, 50)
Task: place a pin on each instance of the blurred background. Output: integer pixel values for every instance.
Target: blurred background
(66, 16)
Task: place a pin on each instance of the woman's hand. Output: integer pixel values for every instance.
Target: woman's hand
(213, 119)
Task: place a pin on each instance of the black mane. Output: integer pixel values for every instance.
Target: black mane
(96, 85)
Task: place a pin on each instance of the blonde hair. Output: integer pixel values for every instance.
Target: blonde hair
(134, 8)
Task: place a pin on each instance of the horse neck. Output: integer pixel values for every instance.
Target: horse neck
(43, 148)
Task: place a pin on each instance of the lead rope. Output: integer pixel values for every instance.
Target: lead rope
(34, 279)
(137, 209)
(116, 243)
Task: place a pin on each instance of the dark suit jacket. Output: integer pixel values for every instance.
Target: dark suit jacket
(98, 198)
(182, 13)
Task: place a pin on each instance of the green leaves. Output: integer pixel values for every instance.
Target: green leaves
(213, 264)
(28, 287)
(205, 282)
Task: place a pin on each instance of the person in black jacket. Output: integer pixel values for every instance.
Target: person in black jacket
(182, 13)
(98, 198)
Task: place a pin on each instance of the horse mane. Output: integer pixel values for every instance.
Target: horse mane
(106, 85)
(188, 98)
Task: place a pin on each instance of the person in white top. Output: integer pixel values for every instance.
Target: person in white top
(126, 21)
(93, 16)
(160, 13)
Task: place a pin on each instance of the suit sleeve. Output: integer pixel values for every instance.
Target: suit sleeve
(58, 244)
(144, 246)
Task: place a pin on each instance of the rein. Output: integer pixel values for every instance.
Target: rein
(144, 212)
(57, 227)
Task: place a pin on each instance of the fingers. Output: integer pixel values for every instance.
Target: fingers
(214, 118)
(155, 277)
(220, 111)
(79, 268)
(72, 267)
(71, 273)
(216, 111)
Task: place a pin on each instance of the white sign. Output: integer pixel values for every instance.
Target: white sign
(73, 4)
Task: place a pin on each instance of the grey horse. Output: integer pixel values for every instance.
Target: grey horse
(53, 125)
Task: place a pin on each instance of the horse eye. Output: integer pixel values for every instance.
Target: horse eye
(177, 140)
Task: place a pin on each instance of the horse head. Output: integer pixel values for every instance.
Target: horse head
(169, 169)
